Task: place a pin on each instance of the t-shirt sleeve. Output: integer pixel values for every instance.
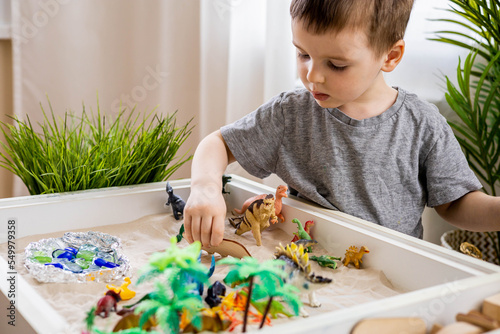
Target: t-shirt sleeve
(255, 139)
(448, 174)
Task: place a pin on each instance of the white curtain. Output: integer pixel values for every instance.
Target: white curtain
(214, 60)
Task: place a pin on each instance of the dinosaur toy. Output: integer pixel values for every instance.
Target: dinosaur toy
(281, 192)
(301, 233)
(225, 180)
(470, 249)
(190, 279)
(176, 202)
(326, 261)
(210, 321)
(123, 290)
(107, 303)
(214, 293)
(257, 218)
(228, 247)
(354, 255)
(306, 243)
(299, 272)
(307, 228)
(131, 320)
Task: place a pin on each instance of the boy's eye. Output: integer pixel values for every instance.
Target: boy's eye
(302, 55)
(335, 67)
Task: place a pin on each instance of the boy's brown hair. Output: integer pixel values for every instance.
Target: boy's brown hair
(383, 21)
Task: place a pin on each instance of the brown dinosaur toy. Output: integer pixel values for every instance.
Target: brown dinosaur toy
(257, 218)
(354, 255)
(278, 204)
(107, 303)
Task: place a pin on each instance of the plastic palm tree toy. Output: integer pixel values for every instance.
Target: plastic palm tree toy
(246, 269)
(89, 320)
(183, 259)
(130, 331)
(169, 301)
(171, 296)
(278, 289)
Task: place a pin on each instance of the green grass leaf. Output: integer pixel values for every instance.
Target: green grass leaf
(78, 152)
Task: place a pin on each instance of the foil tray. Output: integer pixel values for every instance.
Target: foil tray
(51, 274)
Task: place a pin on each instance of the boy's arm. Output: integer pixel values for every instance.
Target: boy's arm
(205, 209)
(475, 211)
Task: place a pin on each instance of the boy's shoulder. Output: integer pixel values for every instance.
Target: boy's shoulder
(296, 96)
(419, 110)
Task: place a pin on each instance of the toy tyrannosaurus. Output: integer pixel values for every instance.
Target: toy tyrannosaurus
(354, 255)
(301, 233)
(257, 217)
(307, 228)
(281, 192)
(176, 202)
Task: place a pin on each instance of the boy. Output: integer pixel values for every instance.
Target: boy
(348, 141)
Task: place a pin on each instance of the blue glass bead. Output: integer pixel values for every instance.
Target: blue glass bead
(105, 256)
(71, 249)
(57, 265)
(103, 263)
(66, 255)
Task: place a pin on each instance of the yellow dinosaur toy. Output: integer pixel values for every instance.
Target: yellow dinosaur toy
(124, 292)
(354, 255)
(257, 218)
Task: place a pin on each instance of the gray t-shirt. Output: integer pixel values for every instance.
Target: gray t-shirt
(384, 169)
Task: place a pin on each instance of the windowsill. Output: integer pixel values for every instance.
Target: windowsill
(5, 32)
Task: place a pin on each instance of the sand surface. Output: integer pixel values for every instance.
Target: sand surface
(150, 234)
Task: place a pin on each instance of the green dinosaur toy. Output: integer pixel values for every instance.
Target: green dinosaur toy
(302, 233)
(326, 260)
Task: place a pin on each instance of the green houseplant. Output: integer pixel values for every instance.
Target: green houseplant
(92, 151)
(476, 97)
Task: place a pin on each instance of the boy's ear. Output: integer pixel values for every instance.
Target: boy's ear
(394, 56)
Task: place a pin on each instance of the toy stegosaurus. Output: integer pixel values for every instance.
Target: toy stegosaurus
(299, 272)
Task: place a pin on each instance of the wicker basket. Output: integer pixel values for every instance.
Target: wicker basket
(453, 239)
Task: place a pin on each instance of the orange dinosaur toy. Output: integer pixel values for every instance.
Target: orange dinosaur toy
(280, 193)
(354, 255)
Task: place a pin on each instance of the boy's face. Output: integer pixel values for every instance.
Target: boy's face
(339, 69)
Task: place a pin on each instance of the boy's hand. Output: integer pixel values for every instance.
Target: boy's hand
(204, 215)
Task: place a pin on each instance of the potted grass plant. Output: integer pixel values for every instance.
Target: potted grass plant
(475, 99)
(88, 151)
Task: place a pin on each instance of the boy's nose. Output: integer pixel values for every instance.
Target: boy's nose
(314, 74)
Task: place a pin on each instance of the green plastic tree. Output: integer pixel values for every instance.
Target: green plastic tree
(168, 303)
(172, 296)
(184, 259)
(287, 292)
(129, 331)
(90, 318)
(246, 270)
